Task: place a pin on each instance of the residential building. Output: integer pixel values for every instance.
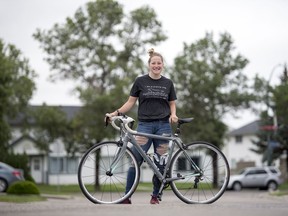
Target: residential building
(238, 145)
(54, 167)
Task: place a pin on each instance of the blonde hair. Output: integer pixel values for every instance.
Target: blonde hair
(152, 53)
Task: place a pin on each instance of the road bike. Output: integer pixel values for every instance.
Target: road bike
(197, 172)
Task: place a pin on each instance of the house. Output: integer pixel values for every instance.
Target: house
(238, 145)
(55, 167)
(52, 168)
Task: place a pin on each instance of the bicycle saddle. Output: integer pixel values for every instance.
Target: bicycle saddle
(184, 120)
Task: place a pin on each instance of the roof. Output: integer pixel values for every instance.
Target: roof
(20, 118)
(15, 142)
(251, 128)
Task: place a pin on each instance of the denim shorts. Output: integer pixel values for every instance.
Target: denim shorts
(153, 127)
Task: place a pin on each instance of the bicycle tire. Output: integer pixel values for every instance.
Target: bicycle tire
(214, 179)
(111, 185)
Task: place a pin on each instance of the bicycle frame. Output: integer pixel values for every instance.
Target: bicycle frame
(127, 136)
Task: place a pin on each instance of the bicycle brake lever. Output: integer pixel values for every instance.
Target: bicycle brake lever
(106, 121)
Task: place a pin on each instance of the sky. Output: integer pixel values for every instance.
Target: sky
(259, 29)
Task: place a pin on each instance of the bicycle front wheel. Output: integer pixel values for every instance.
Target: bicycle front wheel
(102, 183)
(203, 180)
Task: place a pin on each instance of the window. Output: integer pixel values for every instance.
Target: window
(36, 164)
(256, 172)
(183, 163)
(238, 139)
(63, 165)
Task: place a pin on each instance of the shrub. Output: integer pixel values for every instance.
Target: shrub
(23, 187)
(20, 161)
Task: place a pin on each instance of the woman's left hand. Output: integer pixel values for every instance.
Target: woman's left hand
(173, 119)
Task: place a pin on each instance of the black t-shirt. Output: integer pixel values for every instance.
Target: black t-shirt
(153, 97)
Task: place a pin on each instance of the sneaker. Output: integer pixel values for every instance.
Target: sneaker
(126, 201)
(154, 200)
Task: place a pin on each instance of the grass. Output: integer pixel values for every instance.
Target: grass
(59, 190)
(21, 198)
(75, 190)
(52, 190)
(282, 190)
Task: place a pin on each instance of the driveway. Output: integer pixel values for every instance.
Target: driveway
(245, 203)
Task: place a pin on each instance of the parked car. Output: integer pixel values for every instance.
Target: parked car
(256, 177)
(8, 175)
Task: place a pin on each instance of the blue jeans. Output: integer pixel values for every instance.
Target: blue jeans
(157, 128)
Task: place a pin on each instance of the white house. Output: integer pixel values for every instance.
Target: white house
(238, 145)
(54, 167)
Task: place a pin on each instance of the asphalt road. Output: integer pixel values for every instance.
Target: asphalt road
(245, 203)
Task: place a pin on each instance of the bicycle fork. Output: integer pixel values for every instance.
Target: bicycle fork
(118, 156)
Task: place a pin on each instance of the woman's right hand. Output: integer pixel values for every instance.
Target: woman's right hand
(110, 115)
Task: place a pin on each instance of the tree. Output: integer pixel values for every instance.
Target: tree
(16, 89)
(272, 138)
(53, 124)
(210, 83)
(50, 125)
(101, 49)
(280, 98)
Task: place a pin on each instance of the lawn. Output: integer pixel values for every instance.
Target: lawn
(21, 198)
(75, 190)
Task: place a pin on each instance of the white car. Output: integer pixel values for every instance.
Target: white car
(256, 177)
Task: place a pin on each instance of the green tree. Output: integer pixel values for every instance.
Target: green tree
(16, 89)
(101, 48)
(52, 124)
(272, 139)
(280, 98)
(210, 83)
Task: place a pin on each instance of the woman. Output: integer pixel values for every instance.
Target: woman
(157, 109)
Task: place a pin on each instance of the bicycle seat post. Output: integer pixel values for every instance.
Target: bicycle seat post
(177, 131)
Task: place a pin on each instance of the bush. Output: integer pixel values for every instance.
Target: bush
(19, 161)
(23, 187)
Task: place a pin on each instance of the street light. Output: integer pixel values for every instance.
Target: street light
(271, 143)
(275, 122)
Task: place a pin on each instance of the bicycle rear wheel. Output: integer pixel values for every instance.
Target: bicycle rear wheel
(199, 187)
(101, 184)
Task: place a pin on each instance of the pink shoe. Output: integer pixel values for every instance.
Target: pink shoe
(154, 200)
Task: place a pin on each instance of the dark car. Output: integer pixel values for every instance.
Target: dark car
(8, 175)
(256, 177)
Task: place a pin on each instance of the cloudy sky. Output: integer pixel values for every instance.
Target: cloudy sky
(259, 29)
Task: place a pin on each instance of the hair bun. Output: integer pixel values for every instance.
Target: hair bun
(150, 52)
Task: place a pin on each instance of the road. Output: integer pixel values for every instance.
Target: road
(245, 203)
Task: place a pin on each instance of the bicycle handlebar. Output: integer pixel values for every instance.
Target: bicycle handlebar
(126, 120)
